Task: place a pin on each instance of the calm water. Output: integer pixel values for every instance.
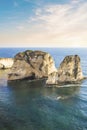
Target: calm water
(33, 106)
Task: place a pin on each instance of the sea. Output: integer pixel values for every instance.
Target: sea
(28, 105)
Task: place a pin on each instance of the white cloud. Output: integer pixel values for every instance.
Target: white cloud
(75, 1)
(35, 2)
(54, 25)
(64, 15)
(20, 27)
(16, 4)
(65, 23)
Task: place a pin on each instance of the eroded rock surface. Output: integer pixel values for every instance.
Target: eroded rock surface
(31, 65)
(69, 71)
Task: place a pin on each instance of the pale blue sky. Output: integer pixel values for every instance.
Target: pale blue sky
(43, 23)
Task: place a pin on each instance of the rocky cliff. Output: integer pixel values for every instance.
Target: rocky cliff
(31, 65)
(69, 71)
(6, 63)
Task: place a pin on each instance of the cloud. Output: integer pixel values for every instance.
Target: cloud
(75, 1)
(20, 27)
(63, 23)
(16, 4)
(65, 15)
(35, 2)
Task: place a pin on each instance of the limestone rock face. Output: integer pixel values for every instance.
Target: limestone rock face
(6, 63)
(31, 65)
(69, 71)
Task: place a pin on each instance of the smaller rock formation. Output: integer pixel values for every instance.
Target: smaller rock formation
(31, 65)
(69, 71)
(6, 63)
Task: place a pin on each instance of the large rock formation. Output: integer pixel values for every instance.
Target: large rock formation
(69, 71)
(6, 63)
(31, 65)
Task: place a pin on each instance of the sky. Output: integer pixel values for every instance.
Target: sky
(43, 23)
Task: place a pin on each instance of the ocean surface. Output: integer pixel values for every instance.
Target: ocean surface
(32, 106)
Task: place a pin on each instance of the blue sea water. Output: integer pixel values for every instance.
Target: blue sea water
(32, 106)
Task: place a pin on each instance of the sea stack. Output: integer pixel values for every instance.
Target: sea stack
(31, 65)
(69, 71)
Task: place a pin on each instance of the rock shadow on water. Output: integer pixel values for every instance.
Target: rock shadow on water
(27, 83)
(61, 92)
